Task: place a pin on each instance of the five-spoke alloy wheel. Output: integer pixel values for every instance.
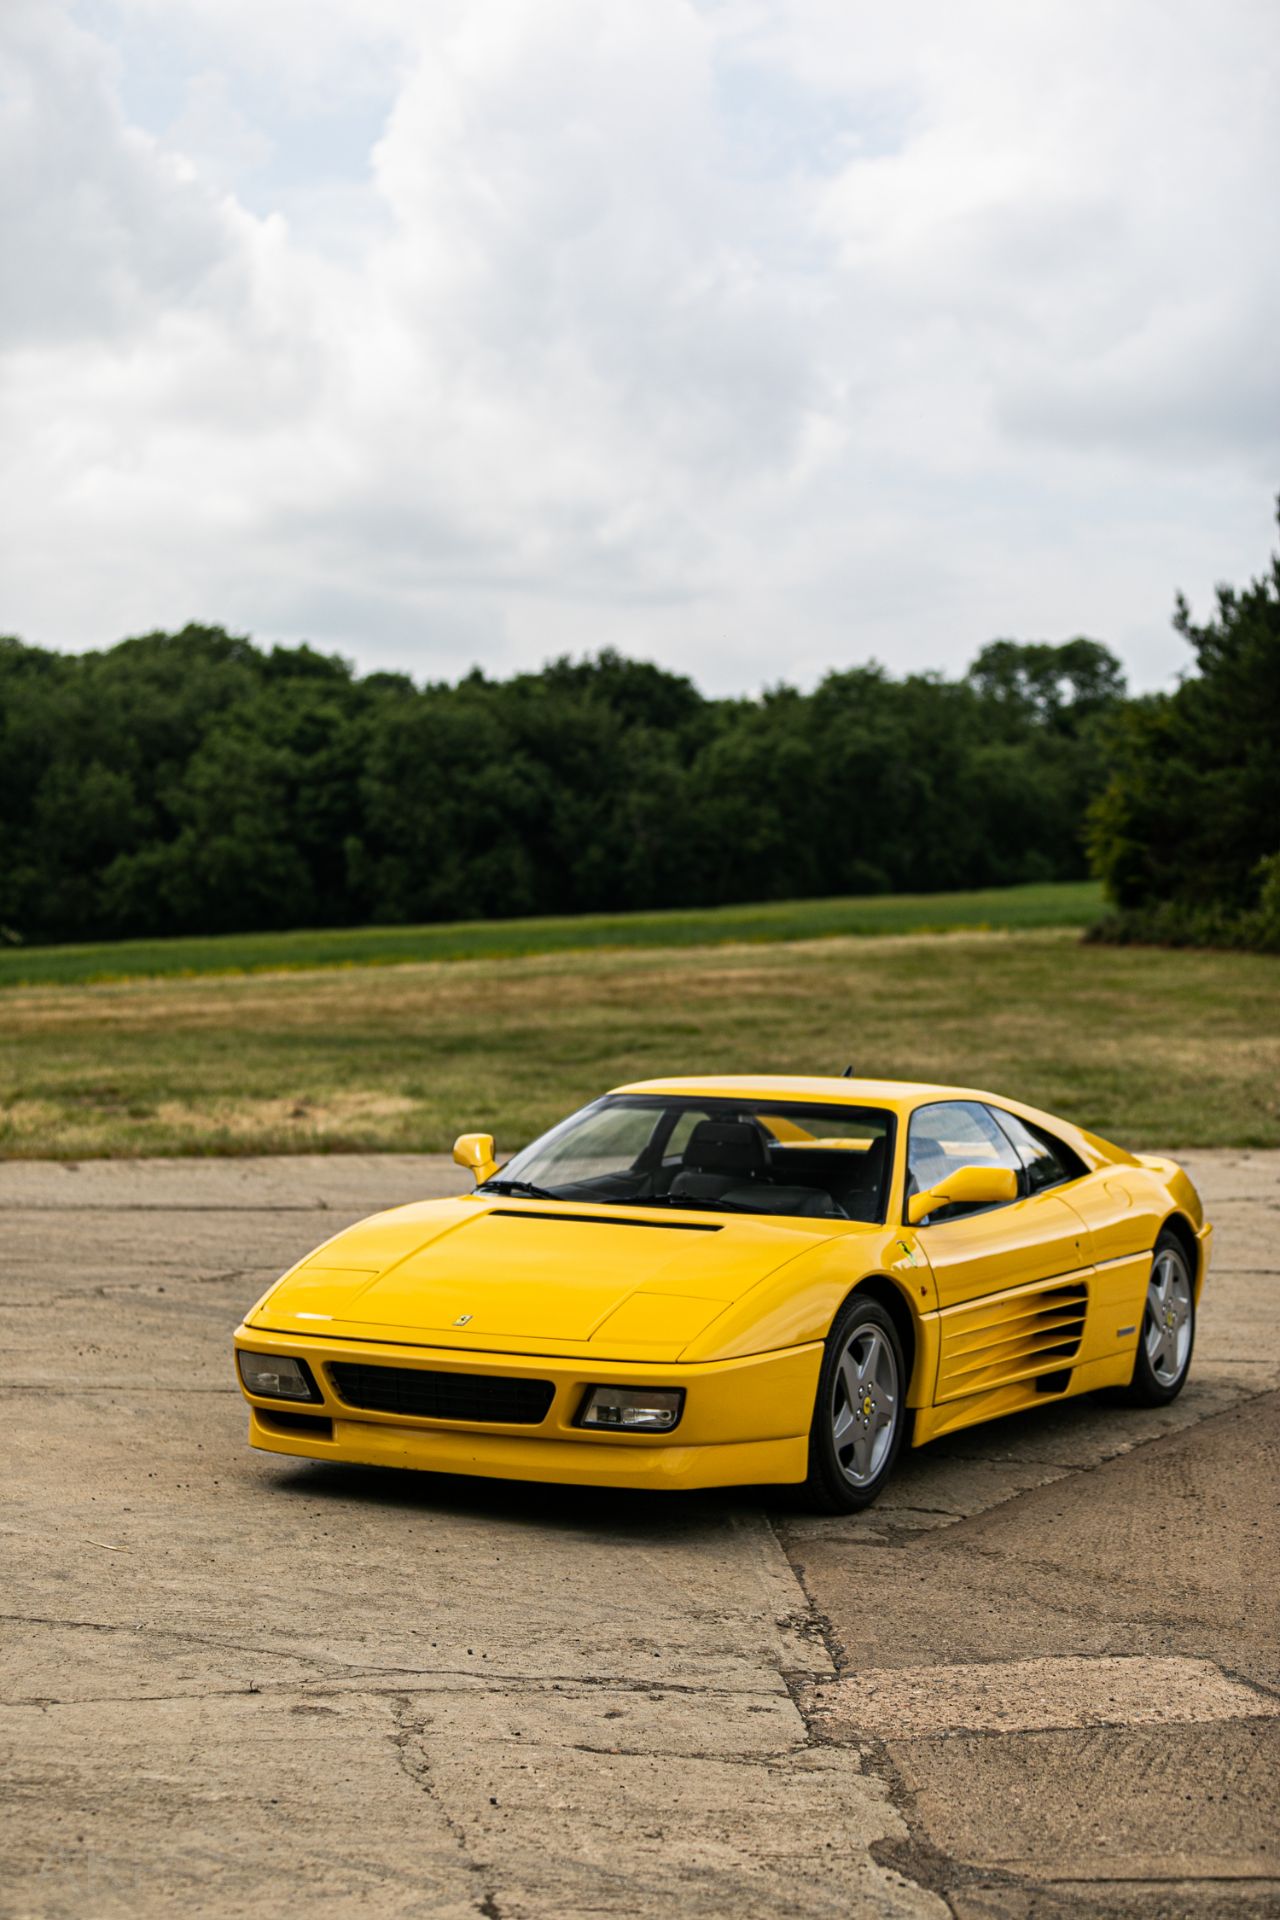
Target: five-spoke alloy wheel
(860, 1408)
(1168, 1329)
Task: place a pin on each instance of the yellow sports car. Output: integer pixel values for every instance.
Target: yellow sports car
(706, 1283)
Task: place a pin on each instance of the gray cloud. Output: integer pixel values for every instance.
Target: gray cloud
(755, 336)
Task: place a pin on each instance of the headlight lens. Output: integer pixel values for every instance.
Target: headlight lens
(633, 1409)
(276, 1377)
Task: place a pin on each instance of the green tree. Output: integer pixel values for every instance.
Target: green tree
(1192, 808)
(193, 782)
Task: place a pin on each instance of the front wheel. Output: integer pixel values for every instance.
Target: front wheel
(860, 1410)
(1168, 1331)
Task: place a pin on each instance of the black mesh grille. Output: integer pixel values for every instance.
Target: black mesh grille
(443, 1396)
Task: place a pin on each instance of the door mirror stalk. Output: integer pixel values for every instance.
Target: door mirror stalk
(474, 1151)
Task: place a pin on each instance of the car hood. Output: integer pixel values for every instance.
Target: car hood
(518, 1276)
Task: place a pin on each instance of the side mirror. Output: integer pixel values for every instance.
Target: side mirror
(967, 1186)
(475, 1152)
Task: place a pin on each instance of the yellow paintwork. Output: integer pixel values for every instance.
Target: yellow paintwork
(736, 1316)
(972, 1185)
(474, 1151)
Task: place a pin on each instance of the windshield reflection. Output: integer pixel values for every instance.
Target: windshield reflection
(813, 1160)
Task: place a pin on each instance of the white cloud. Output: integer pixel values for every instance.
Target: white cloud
(102, 231)
(757, 337)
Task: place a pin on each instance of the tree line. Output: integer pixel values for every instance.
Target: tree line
(193, 782)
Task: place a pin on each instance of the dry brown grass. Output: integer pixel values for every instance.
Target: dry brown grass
(1149, 1046)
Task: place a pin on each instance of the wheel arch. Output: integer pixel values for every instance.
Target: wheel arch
(1184, 1233)
(889, 1295)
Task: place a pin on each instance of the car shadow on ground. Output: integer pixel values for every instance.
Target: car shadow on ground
(1040, 1442)
(631, 1515)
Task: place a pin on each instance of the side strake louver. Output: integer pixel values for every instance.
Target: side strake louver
(1012, 1337)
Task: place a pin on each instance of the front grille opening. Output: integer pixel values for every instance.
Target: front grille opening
(424, 1395)
(282, 1420)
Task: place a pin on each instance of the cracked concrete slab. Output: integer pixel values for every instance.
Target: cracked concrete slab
(230, 1805)
(572, 1812)
(1052, 1692)
(232, 1681)
(1019, 1563)
(1106, 1804)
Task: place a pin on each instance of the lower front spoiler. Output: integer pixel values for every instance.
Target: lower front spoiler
(506, 1456)
(745, 1421)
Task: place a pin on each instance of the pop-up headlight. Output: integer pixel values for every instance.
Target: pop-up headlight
(633, 1409)
(276, 1377)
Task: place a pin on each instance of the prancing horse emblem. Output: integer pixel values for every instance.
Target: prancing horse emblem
(462, 1320)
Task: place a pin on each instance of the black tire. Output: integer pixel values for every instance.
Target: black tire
(1167, 1335)
(849, 1465)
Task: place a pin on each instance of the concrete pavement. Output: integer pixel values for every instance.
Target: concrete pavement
(1039, 1678)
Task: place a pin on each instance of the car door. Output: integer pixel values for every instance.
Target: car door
(1012, 1279)
(1121, 1230)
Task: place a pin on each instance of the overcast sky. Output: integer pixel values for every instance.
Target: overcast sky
(756, 337)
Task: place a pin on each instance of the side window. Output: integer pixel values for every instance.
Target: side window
(951, 1134)
(1048, 1162)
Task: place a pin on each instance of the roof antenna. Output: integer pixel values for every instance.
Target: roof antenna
(847, 1074)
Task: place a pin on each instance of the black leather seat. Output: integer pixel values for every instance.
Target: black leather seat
(721, 1154)
(861, 1197)
(804, 1202)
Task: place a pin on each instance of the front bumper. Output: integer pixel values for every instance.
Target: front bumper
(745, 1422)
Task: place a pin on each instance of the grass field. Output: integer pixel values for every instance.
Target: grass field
(1072, 904)
(1150, 1047)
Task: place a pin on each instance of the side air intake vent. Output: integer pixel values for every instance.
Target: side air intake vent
(1012, 1337)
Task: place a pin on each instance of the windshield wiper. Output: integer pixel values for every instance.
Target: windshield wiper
(525, 1189)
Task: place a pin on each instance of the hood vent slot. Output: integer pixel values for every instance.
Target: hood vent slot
(605, 1220)
(1014, 1336)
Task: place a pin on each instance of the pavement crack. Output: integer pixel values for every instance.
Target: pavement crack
(809, 1621)
(408, 1679)
(1262, 1688)
(78, 1390)
(408, 1738)
(157, 1206)
(210, 1643)
(917, 1858)
(812, 1624)
(771, 1762)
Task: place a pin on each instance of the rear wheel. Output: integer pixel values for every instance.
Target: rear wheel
(860, 1410)
(1168, 1331)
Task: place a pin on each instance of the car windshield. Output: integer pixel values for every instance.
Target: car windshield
(732, 1156)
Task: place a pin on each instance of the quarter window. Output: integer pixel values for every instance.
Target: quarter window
(1047, 1162)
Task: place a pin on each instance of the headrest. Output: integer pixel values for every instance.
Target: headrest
(868, 1166)
(726, 1146)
